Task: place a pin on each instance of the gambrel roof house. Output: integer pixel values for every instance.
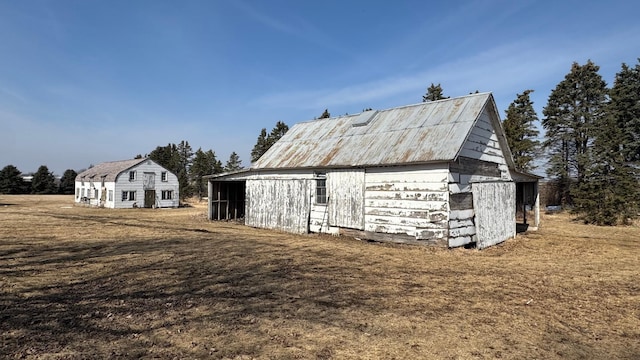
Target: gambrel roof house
(127, 184)
(431, 173)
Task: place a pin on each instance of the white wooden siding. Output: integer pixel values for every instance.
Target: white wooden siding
(494, 207)
(345, 191)
(483, 144)
(279, 204)
(410, 200)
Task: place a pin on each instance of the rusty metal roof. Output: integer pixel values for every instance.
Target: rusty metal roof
(109, 170)
(422, 133)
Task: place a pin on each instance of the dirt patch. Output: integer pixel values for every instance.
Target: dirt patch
(81, 283)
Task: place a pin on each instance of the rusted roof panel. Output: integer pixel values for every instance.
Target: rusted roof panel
(421, 133)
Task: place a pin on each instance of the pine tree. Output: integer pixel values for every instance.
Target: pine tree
(574, 106)
(265, 141)
(177, 159)
(260, 147)
(11, 181)
(67, 182)
(204, 163)
(609, 194)
(520, 131)
(434, 92)
(44, 182)
(277, 132)
(325, 114)
(234, 163)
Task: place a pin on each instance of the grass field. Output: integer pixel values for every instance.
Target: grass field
(81, 283)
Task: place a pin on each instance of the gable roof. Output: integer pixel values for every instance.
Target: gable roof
(421, 133)
(109, 170)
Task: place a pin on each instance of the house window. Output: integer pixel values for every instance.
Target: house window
(77, 193)
(167, 194)
(96, 195)
(128, 196)
(321, 189)
(132, 175)
(82, 192)
(110, 195)
(163, 176)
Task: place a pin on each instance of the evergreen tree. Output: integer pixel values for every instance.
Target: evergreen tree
(204, 163)
(610, 194)
(43, 181)
(177, 159)
(68, 182)
(185, 157)
(265, 141)
(574, 106)
(434, 92)
(520, 131)
(234, 163)
(325, 114)
(625, 108)
(260, 147)
(11, 181)
(277, 132)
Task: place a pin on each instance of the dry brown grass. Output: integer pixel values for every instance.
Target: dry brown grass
(82, 283)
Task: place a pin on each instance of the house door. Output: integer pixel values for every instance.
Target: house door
(149, 198)
(493, 203)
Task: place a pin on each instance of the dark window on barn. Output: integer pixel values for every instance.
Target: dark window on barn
(163, 176)
(132, 175)
(128, 196)
(321, 189)
(167, 194)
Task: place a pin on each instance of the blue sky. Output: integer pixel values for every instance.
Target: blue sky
(82, 81)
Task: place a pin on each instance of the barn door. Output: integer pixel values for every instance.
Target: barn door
(494, 206)
(345, 191)
(149, 198)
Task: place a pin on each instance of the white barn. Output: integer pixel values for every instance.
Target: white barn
(127, 184)
(437, 173)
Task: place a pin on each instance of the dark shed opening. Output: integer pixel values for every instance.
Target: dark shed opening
(227, 200)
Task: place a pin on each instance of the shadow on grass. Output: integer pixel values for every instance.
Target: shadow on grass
(89, 298)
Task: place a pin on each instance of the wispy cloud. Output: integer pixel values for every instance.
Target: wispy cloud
(507, 69)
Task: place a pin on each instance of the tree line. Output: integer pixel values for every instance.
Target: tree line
(180, 159)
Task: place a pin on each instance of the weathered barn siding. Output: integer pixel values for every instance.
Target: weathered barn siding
(281, 204)
(483, 142)
(345, 189)
(495, 219)
(408, 200)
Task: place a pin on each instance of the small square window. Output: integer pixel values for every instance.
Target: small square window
(132, 175)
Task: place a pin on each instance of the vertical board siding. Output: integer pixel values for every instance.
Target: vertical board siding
(279, 204)
(494, 212)
(319, 219)
(408, 200)
(345, 190)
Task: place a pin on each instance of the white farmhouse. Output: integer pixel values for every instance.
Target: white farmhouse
(438, 173)
(127, 184)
